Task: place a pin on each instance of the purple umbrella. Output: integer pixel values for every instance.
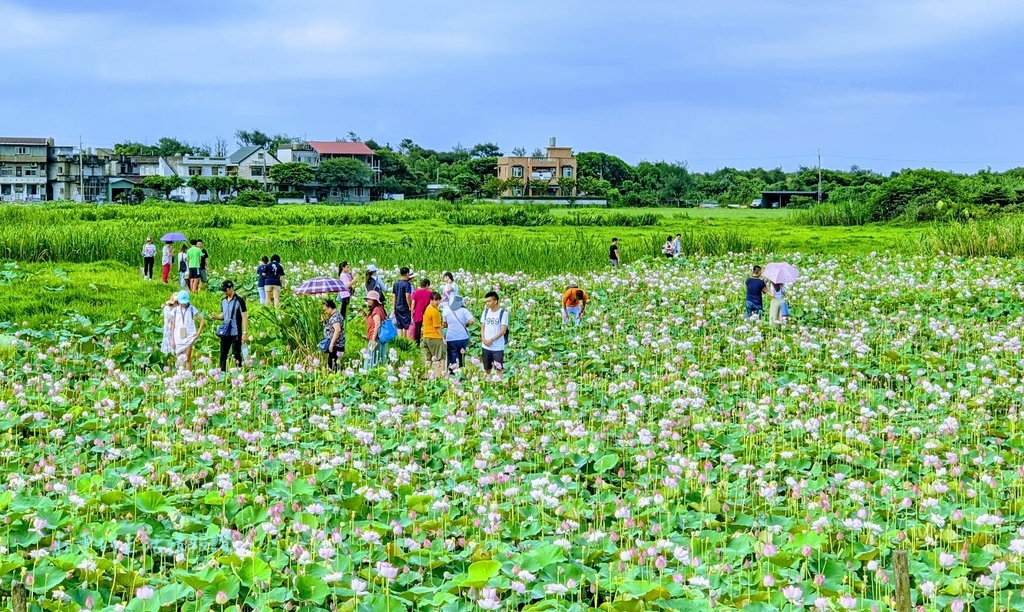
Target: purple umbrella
(318, 286)
(173, 237)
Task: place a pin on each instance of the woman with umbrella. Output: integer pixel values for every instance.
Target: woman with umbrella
(779, 275)
(167, 254)
(333, 342)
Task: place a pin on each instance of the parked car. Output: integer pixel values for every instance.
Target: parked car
(756, 203)
(176, 198)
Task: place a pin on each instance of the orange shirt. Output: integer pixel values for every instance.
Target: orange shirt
(432, 323)
(569, 299)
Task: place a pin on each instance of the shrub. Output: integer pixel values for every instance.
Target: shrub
(254, 198)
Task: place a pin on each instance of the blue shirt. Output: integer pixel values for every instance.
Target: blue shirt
(272, 274)
(755, 287)
(260, 271)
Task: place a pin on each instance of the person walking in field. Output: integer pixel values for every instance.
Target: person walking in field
(204, 262)
(374, 283)
(195, 258)
(345, 295)
(456, 319)
(403, 304)
(186, 327)
(574, 304)
(613, 253)
(376, 351)
(434, 349)
(777, 291)
(235, 329)
(420, 301)
(166, 260)
(756, 289)
(183, 266)
(167, 342)
(334, 333)
(449, 290)
(261, 279)
(148, 258)
(494, 326)
(272, 276)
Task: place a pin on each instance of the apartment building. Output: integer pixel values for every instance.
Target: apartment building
(531, 172)
(23, 168)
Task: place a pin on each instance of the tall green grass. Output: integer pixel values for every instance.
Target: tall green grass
(829, 215)
(992, 238)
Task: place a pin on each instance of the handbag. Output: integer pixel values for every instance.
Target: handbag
(224, 329)
(324, 346)
(387, 331)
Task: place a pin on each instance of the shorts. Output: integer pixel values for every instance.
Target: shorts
(403, 320)
(434, 350)
(202, 276)
(615, 263)
(494, 359)
(193, 272)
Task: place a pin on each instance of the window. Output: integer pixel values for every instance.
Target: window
(259, 156)
(517, 191)
(517, 171)
(256, 170)
(6, 171)
(30, 171)
(566, 171)
(17, 171)
(33, 190)
(22, 151)
(195, 170)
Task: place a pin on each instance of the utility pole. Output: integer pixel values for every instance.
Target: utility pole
(819, 176)
(81, 170)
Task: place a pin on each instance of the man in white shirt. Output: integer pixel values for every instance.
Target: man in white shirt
(494, 326)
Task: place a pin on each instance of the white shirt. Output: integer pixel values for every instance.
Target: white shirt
(458, 323)
(492, 322)
(184, 321)
(168, 255)
(448, 293)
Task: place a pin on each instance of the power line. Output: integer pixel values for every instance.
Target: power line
(927, 161)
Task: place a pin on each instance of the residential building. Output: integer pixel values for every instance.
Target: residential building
(24, 168)
(559, 162)
(252, 163)
(186, 166)
(316, 151)
(78, 175)
(125, 172)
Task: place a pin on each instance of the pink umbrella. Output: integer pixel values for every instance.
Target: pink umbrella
(781, 273)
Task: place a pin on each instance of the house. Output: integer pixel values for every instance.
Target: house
(316, 151)
(252, 163)
(531, 172)
(80, 175)
(186, 166)
(24, 168)
(125, 172)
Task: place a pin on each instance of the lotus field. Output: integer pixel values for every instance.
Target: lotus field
(665, 455)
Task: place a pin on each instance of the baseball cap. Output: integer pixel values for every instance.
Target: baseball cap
(227, 285)
(183, 297)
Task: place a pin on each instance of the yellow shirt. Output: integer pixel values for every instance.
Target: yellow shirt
(431, 323)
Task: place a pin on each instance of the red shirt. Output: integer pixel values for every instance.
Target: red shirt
(422, 299)
(371, 327)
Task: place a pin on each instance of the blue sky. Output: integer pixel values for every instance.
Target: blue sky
(883, 84)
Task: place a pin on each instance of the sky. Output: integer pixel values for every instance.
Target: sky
(881, 84)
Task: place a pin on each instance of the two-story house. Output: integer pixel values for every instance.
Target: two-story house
(316, 151)
(531, 172)
(186, 166)
(252, 163)
(23, 168)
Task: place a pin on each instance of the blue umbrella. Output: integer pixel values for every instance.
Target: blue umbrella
(173, 237)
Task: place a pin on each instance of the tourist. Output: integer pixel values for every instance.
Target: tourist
(434, 351)
(204, 275)
(449, 291)
(167, 343)
(183, 266)
(166, 260)
(756, 289)
(272, 275)
(574, 303)
(456, 319)
(345, 295)
(376, 351)
(195, 258)
(233, 331)
(334, 333)
(494, 326)
(373, 282)
(261, 279)
(668, 249)
(677, 246)
(402, 289)
(186, 327)
(420, 300)
(613, 253)
(777, 291)
(148, 258)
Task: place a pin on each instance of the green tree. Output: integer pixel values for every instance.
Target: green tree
(467, 183)
(219, 185)
(604, 166)
(492, 187)
(485, 149)
(592, 186)
(343, 172)
(241, 184)
(518, 152)
(200, 183)
(567, 186)
(164, 184)
(254, 138)
(539, 187)
(513, 183)
(135, 148)
(448, 193)
(292, 174)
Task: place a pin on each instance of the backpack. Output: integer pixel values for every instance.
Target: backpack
(501, 315)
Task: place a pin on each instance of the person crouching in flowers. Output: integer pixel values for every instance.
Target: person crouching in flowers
(167, 343)
(186, 326)
(376, 351)
(574, 303)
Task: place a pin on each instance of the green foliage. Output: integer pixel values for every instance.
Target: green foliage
(292, 174)
(254, 197)
(843, 213)
(603, 166)
(164, 184)
(343, 172)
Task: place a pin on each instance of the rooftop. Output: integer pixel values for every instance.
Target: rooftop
(12, 140)
(242, 153)
(340, 148)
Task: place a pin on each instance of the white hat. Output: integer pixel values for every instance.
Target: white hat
(371, 268)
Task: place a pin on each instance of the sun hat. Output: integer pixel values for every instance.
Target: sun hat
(373, 295)
(457, 303)
(371, 268)
(183, 297)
